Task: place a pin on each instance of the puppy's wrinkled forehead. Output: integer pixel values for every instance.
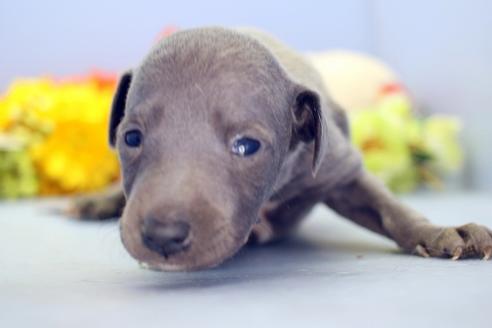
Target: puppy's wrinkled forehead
(203, 70)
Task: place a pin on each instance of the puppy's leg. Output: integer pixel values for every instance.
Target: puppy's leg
(278, 218)
(367, 202)
(108, 204)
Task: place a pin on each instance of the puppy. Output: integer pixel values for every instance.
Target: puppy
(226, 136)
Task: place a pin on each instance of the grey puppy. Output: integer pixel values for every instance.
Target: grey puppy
(226, 136)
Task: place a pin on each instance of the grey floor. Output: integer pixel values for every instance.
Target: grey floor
(60, 273)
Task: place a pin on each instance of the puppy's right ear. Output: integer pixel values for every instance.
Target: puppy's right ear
(118, 106)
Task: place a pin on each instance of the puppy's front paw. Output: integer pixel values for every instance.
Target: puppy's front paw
(468, 241)
(262, 233)
(94, 208)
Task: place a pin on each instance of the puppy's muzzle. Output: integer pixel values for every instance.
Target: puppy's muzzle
(165, 238)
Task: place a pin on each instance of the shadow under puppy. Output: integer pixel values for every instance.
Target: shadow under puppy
(226, 136)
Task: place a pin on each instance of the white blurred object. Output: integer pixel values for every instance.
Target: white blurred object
(353, 79)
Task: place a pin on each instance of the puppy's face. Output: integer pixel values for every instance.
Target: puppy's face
(201, 138)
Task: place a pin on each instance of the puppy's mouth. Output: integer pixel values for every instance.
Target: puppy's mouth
(191, 257)
(178, 246)
(189, 260)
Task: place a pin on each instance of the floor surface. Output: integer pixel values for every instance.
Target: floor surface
(55, 272)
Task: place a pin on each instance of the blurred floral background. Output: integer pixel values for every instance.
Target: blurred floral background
(414, 80)
(53, 136)
(53, 131)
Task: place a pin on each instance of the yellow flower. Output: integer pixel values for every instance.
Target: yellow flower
(65, 123)
(382, 137)
(441, 134)
(403, 150)
(17, 173)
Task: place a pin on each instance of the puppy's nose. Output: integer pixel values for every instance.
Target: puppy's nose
(165, 238)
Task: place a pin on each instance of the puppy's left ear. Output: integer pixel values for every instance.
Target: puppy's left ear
(118, 105)
(309, 124)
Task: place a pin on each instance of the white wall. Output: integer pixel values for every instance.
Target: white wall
(72, 36)
(443, 51)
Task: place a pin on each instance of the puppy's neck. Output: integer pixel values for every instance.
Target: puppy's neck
(295, 168)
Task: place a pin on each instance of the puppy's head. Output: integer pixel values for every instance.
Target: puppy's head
(202, 128)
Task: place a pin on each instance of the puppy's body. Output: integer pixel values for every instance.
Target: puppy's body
(244, 84)
(296, 190)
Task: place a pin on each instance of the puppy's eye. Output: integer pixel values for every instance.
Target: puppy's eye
(133, 138)
(245, 146)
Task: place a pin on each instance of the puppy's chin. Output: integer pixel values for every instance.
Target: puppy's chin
(203, 253)
(193, 264)
(189, 260)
